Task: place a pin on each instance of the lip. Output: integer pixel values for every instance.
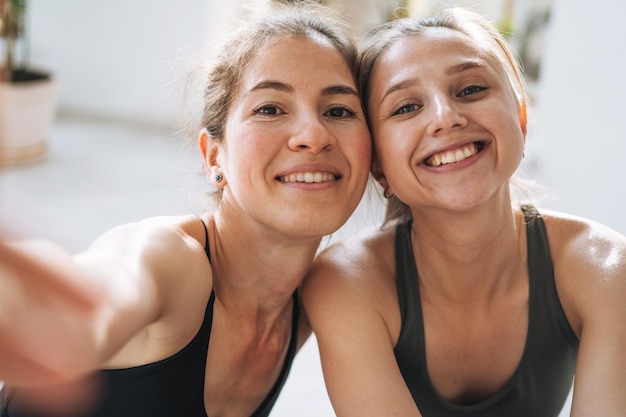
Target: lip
(480, 144)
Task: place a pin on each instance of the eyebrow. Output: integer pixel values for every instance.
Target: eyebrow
(272, 85)
(455, 69)
(474, 63)
(400, 86)
(339, 89)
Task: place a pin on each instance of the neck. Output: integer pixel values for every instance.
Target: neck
(471, 254)
(255, 269)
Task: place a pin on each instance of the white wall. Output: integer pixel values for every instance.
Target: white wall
(118, 58)
(580, 133)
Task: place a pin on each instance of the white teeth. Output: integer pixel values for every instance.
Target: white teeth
(308, 177)
(450, 157)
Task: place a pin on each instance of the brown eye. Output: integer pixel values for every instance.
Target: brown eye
(268, 110)
(340, 113)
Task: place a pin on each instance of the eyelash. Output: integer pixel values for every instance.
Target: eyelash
(406, 108)
(475, 89)
(347, 113)
(465, 92)
(261, 110)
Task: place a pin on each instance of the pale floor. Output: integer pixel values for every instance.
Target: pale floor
(98, 175)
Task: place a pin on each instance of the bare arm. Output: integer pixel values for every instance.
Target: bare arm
(35, 269)
(349, 310)
(63, 325)
(593, 261)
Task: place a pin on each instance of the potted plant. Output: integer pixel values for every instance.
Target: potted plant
(27, 95)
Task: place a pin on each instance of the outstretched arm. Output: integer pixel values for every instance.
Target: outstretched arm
(350, 306)
(39, 283)
(63, 316)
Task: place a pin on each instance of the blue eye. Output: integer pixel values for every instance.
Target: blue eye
(406, 108)
(472, 89)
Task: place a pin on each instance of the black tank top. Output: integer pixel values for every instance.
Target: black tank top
(543, 378)
(172, 387)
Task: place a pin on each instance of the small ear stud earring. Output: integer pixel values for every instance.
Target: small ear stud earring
(218, 178)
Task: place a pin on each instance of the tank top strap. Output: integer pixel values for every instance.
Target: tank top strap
(544, 303)
(406, 278)
(206, 240)
(409, 349)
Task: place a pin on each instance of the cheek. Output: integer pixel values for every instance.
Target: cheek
(364, 147)
(508, 123)
(510, 138)
(249, 141)
(355, 143)
(393, 142)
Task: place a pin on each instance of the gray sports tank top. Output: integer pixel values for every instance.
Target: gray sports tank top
(543, 378)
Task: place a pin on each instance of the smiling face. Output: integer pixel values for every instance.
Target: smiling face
(296, 150)
(446, 123)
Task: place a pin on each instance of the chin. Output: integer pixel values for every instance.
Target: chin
(470, 202)
(315, 227)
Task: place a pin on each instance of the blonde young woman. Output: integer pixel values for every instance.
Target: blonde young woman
(200, 315)
(465, 304)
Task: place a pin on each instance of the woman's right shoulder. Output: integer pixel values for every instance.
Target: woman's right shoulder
(171, 232)
(162, 248)
(356, 266)
(352, 287)
(372, 247)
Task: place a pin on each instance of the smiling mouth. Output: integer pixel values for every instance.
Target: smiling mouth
(308, 177)
(455, 155)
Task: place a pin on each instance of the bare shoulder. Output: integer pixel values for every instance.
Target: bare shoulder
(353, 274)
(172, 234)
(157, 251)
(582, 241)
(357, 258)
(158, 278)
(589, 262)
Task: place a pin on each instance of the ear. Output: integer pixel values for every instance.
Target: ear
(378, 174)
(209, 149)
(523, 121)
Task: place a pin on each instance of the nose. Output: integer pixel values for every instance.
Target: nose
(445, 116)
(311, 134)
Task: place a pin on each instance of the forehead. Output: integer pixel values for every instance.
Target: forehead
(438, 48)
(292, 57)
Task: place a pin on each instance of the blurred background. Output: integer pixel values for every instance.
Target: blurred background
(115, 153)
